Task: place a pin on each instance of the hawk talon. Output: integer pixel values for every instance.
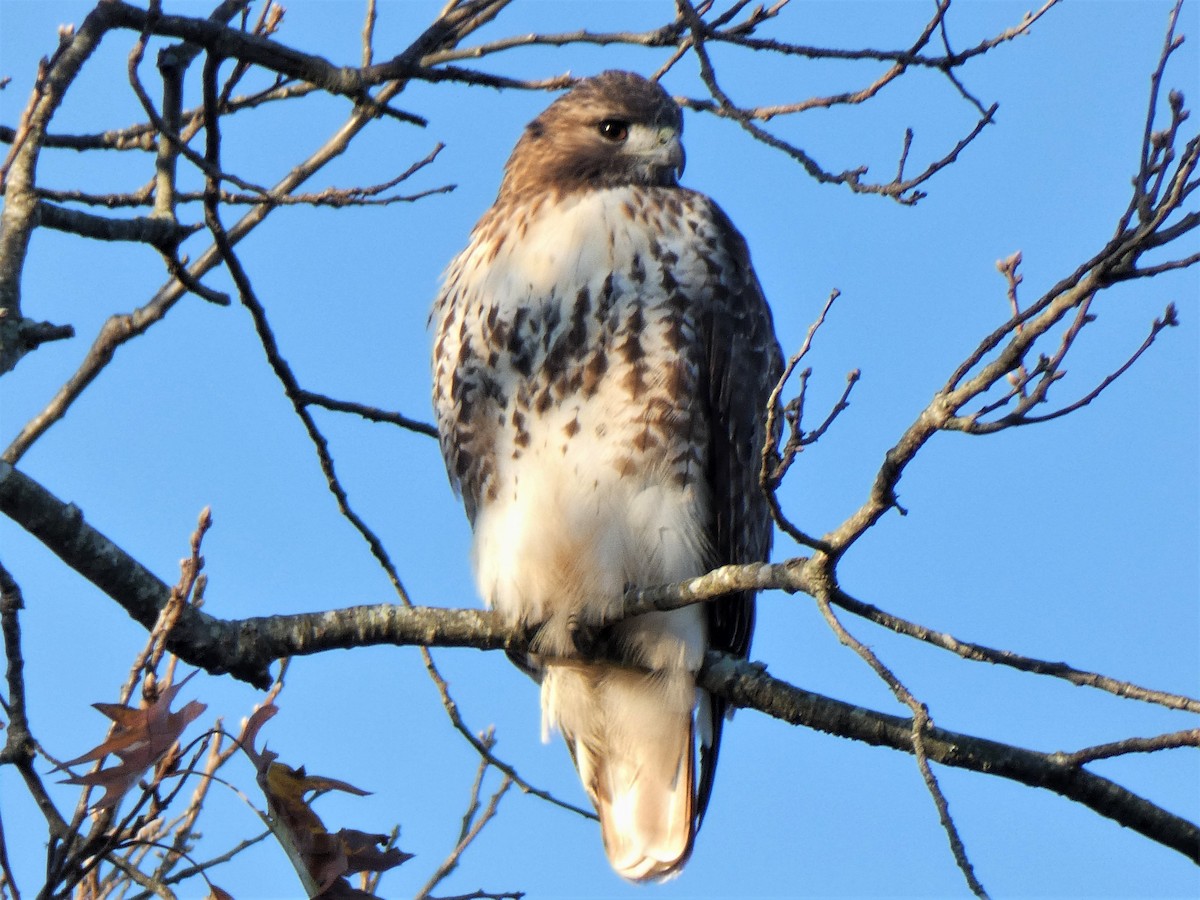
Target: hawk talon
(585, 637)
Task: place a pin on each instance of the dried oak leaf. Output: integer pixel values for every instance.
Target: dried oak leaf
(325, 856)
(346, 852)
(140, 738)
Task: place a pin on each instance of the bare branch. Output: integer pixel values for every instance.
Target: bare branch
(19, 217)
(20, 748)
(1189, 738)
(30, 334)
(801, 575)
(899, 189)
(748, 685)
(143, 136)
(278, 364)
(162, 234)
(121, 328)
(774, 463)
(472, 824)
(368, 34)
(1004, 351)
(904, 57)
(1168, 320)
(664, 36)
(337, 198)
(8, 882)
(226, 42)
(481, 746)
(921, 725)
(203, 641)
(246, 647)
(177, 145)
(370, 413)
(980, 653)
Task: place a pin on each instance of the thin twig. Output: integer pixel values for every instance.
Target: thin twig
(772, 465)
(1176, 739)
(473, 823)
(368, 34)
(981, 653)
(121, 328)
(8, 881)
(921, 725)
(20, 747)
(370, 413)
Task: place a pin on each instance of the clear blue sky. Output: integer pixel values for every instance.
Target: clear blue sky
(1076, 540)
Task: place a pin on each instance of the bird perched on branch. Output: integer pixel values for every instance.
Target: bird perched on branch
(603, 358)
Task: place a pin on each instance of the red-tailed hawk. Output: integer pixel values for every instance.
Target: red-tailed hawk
(603, 358)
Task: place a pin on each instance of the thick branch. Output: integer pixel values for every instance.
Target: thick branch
(20, 202)
(245, 648)
(164, 234)
(61, 527)
(20, 747)
(452, 26)
(142, 594)
(222, 41)
(748, 685)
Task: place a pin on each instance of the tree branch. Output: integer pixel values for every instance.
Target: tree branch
(20, 747)
(62, 528)
(245, 648)
(748, 685)
(160, 233)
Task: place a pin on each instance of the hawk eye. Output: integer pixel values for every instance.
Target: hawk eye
(613, 130)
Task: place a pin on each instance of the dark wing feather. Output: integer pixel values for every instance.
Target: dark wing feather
(744, 364)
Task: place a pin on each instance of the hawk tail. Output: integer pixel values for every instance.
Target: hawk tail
(632, 737)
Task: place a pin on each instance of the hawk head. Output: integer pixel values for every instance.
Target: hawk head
(613, 130)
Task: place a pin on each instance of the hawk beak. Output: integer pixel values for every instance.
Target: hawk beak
(671, 151)
(655, 152)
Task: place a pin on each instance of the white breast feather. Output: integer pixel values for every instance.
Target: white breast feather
(571, 526)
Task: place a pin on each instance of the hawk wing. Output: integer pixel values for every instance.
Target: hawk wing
(744, 364)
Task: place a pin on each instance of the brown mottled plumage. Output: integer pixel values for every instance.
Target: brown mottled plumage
(603, 357)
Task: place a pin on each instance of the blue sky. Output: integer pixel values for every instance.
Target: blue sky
(1074, 540)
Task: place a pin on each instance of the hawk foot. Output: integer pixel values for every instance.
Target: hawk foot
(585, 636)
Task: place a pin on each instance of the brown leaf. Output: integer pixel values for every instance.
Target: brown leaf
(250, 734)
(139, 739)
(365, 853)
(351, 851)
(326, 857)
